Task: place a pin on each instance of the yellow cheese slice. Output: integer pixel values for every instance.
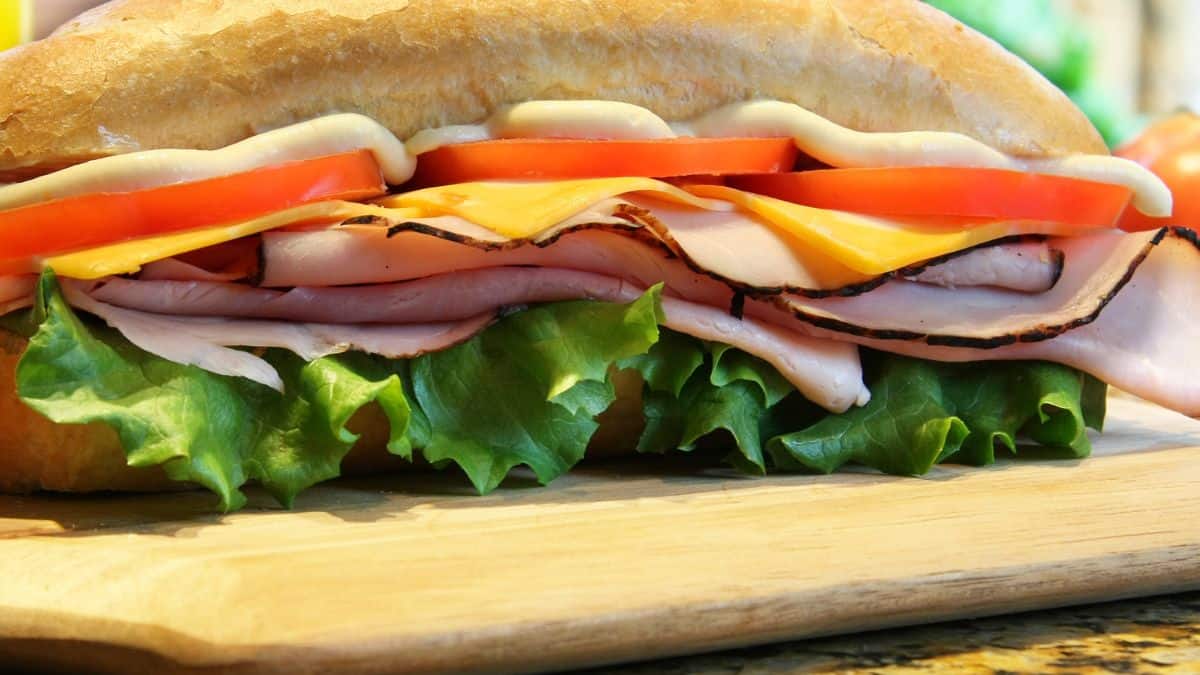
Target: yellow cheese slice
(838, 247)
(519, 210)
(127, 257)
(868, 244)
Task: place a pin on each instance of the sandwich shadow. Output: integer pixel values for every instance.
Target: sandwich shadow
(395, 495)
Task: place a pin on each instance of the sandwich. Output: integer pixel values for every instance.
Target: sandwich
(274, 241)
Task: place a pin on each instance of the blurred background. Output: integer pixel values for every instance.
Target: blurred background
(1123, 61)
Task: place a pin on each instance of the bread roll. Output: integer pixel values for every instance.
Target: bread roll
(36, 453)
(140, 74)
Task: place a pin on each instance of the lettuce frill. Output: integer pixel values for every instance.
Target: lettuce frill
(525, 392)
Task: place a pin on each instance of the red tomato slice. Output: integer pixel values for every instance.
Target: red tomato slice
(948, 191)
(549, 158)
(95, 219)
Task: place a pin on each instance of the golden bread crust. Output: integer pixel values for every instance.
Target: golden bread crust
(37, 454)
(140, 74)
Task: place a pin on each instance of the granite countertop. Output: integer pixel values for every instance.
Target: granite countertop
(1149, 635)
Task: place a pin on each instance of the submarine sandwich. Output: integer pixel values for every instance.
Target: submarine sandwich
(250, 242)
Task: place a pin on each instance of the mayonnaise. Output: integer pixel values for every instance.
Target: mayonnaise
(551, 119)
(814, 135)
(319, 137)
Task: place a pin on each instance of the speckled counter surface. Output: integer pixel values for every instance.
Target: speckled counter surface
(1149, 635)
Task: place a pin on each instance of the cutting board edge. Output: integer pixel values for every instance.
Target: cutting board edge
(536, 646)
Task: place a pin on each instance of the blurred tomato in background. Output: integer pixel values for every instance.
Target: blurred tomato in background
(1171, 149)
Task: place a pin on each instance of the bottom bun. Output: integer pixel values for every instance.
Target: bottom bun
(37, 454)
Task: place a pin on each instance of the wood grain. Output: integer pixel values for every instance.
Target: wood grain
(618, 561)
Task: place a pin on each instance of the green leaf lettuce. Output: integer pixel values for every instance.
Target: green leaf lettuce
(525, 392)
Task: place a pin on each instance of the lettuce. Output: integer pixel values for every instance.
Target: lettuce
(921, 412)
(695, 388)
(525, 392)
(213, 430)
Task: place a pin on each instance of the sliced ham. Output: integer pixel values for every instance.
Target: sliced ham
(16, 292)
(1144, 342)
(1095, 267)
(447, 297)
(15, 304)
(15, 288)
(176, 270)
(347, 256)
(743, 250)
(826, 372)
(736, 248)
(1029, 267)
(204, 342)
(1122, 307)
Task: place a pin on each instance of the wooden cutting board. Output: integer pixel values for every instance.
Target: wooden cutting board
(615, 562)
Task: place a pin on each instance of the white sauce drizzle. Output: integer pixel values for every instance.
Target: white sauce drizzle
(151, 168)
(816, 136)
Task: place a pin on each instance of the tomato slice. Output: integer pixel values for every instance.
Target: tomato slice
(94, 219)
(948, 191)
(552, 158)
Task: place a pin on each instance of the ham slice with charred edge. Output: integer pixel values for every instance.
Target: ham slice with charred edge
(1070, 324)
(827, 372)
(1144, 341)
(734, 248)
(1093, 269)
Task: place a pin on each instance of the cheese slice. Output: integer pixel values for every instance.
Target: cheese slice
(521, 210)
(869, 244)
(127, 257)
(849, 247)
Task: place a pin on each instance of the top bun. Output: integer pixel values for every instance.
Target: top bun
(140, 74)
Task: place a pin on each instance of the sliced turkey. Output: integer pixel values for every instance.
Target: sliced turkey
(1143, 342)
(1029, 267)
(446, 297)
(737, 248)
(744, 251)
(16, 287)
(360, 256)
(204, 342)
(369, 255)
(176, 270)
(826, 372)
(1095, 267)
(16, 292)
